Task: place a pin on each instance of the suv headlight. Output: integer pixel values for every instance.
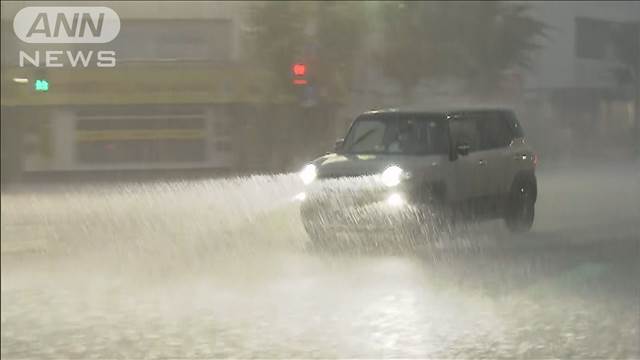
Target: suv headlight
(308, 173)
(392, 176)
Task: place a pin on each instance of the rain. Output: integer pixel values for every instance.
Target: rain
(165, 219)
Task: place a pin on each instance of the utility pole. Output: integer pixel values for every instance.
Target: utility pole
(636, 110)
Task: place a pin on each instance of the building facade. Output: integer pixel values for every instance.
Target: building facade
(584, 80)
(182, 95)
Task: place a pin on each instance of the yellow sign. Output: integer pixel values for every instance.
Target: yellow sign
(119, 135)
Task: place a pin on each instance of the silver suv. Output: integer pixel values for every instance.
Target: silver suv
(461, 164)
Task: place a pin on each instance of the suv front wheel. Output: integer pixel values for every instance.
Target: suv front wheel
(520, 209)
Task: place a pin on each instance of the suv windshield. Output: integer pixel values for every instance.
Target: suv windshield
(407, 134)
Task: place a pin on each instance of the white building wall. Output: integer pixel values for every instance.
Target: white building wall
(556, 65)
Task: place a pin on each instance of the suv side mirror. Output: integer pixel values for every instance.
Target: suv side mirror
(338, 145)
(463, 149)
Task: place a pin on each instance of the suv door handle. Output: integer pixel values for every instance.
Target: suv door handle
(521, 157)
(482, 162)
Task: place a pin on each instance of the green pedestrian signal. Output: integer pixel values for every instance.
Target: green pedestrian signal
(41, 85)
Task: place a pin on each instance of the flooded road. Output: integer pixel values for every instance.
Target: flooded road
(217, 268)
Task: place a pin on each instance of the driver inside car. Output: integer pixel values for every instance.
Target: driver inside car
(405, 140)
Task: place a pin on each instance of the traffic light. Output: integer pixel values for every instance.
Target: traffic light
(299, 71)
(304, 84)
(41, 85)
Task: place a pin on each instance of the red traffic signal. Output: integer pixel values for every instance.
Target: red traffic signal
(299, 71)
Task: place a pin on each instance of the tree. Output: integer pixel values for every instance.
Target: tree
(626, 41)
(338, 37)
(409, 49)
(472, 41)
(276, 38)
(497, 37)
(326, 35)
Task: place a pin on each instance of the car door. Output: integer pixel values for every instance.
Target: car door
(494, 152)
(520, 153)
(468, 171)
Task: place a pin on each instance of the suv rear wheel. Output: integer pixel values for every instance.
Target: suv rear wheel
(520, 210)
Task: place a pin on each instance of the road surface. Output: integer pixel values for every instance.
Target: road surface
(214, 268)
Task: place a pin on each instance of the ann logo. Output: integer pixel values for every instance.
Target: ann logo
(66, 24)
(41, 25)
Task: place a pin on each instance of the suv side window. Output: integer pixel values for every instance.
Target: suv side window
(464, 130)
(514, 126)
(370, 133)
(494, 130)
(432, 136)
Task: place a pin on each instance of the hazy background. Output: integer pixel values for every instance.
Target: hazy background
(209, 85)
(186, 259)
